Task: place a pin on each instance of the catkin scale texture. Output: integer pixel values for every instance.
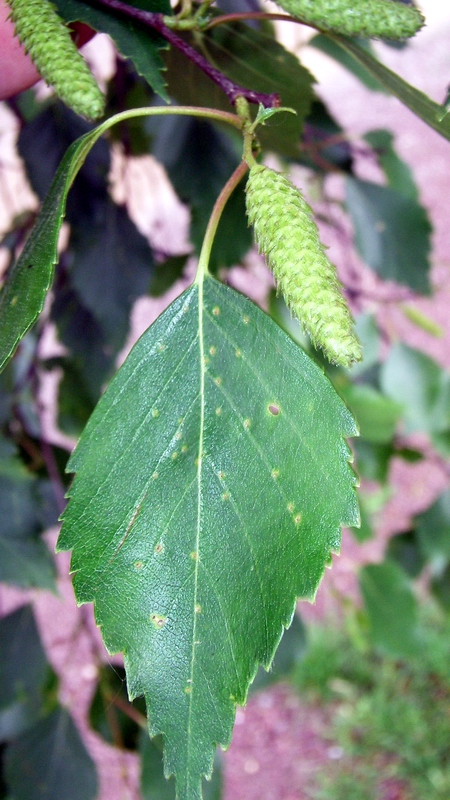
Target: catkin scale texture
(48, 42)
(287, 235)
(384, 19)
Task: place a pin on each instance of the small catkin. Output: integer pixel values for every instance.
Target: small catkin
(287, 235)
(47, 40)
(376, 19)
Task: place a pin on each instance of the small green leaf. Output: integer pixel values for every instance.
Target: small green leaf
(376, 415)
(23, 295)
(212, 480)
(133, 41)
(391, 608)
(50, 761)
(419, 103)
(392, 233)
(415, 380)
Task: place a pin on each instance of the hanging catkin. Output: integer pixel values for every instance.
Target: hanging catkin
(287, 235)
(383, 19)
(48, 42)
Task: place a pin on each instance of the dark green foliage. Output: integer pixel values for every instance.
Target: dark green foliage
(392, 233)
(248, 55)
(199, 159)
(25, 559)
(49, 762)
(24, 673)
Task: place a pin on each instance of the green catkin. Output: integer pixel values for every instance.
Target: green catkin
(287, 235)
(376, 19)
(47, 40)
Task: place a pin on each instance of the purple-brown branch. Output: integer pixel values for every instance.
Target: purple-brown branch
(156, 22)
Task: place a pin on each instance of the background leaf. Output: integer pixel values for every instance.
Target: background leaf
(391, 608)
(376, 415)
(25, 559)
(392, 233)
(132, 39)
(50, 761)
(419, 103)
(333, 49)
(398, 174)
(204, 531)
(24, 672)
(199, 159)
(433, 530)
(254, 59)
(413, 379)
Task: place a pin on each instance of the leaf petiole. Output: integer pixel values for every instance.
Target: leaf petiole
(214, 220)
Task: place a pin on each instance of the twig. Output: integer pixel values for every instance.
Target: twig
(156, 22)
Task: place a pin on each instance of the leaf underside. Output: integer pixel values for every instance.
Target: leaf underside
(212, 481)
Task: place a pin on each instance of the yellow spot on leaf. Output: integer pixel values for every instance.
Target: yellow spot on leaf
(216, 311)
(158, 620)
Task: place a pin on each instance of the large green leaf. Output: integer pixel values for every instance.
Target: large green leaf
(212, 480)
(132, 39)
(50, 762)
(422, 105)
(392, 233)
